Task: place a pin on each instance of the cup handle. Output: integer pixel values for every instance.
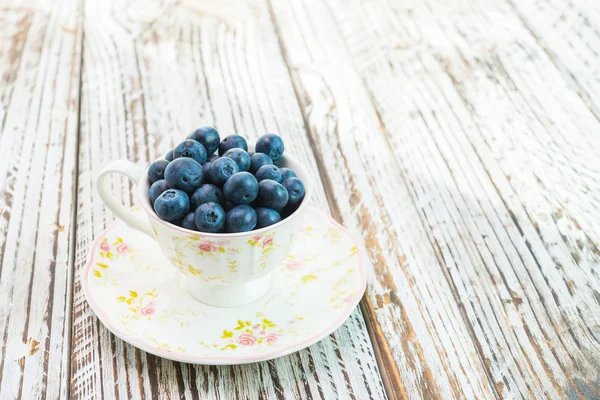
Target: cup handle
(134, 173)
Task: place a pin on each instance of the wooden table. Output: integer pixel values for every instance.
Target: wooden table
(460, 140)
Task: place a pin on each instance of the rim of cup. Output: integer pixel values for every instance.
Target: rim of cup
(285, 161)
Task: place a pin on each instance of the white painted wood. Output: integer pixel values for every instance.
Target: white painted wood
(458, 139)
(39, 90)
(145, 86)
(415, 307)
(481, 125)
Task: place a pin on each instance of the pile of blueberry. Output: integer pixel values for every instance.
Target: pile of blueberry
(234, 191)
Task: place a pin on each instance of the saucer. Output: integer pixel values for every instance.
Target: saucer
(141, 298)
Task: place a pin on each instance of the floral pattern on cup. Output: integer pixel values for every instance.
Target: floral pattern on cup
(220, 260)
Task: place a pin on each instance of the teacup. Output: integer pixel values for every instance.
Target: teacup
(220, 269)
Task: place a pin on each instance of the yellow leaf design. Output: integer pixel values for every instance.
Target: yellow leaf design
(269, 323)
(221, 250)
(193, 237)
(133, 293)
(193, 270)
(97, 274)
(227, 334)
(308, 278)
(101, 265)
(155, 231)
(109, 254)
(121, 298)
(248, 323)
(240, 325)
(229, 346)
(130, 301)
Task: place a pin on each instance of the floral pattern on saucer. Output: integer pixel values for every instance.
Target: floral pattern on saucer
(143, 299)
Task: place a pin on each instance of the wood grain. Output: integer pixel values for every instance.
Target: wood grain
(40, 60)
(458, 139)
(499, 156)
(148, 79)
(426, 348)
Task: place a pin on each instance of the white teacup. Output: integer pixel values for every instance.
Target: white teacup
(221, 269)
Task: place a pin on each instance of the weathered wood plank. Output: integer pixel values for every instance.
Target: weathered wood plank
(40, 61)
(147, 81)
(568, 32)
(499, 156)
(412, 302)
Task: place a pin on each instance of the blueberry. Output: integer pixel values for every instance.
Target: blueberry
(295, 189)
(228, 206)
(266, 216)
(232, 142)
(257, 160)
(189, 222)
(208, 137)
(156, 170)
(271, 145)
(241, 158)
(272, 194)
(191, 149)
(222, 169)
(206, 171)
(172, 205)
(207, 194)
(156, 190)
(268, 172)
(209, 217)
(287, 173)
(184, 174)
(241, 188)
(212, 157)
(240, 218)
(169, 156)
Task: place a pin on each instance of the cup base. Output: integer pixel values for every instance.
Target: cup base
(227, 295)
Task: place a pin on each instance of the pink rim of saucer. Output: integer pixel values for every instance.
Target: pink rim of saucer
(226, 360)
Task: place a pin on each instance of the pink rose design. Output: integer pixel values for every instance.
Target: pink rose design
(104, 246)
(268, 241)
(257, 237)
(148, 310)
(272, 338)
(246, 339)
(348, 298)
(262, 332)
(222, 242)
(122, 248)
(207, 247)
(294, 265)
(255, 327)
